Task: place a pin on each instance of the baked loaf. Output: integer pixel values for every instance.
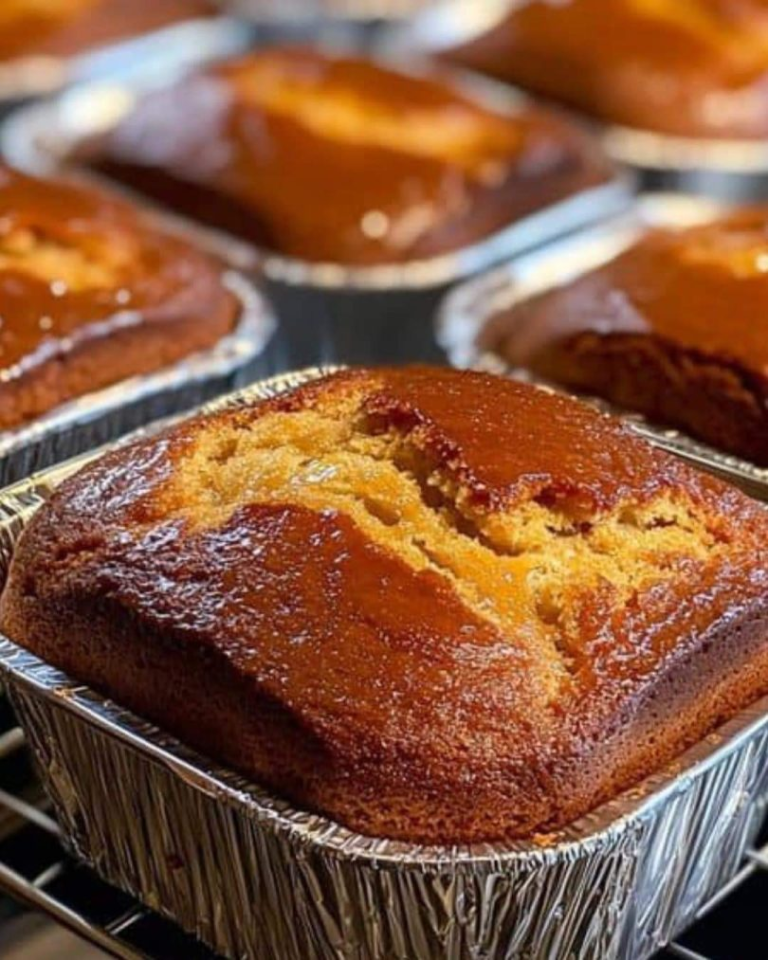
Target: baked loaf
(339, 160)
(62, 28)
(695, 68)
(436, 606)
(675, 328)
(91, 294)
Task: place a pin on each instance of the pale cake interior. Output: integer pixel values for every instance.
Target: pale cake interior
(526, 569)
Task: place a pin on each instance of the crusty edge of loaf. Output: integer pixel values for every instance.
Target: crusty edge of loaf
(714, 399)
(198, 697)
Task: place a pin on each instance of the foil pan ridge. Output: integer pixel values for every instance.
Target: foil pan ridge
(253, 877)
(300, 12)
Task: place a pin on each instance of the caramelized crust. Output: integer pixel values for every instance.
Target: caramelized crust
(435, 606)
(91, 294)
(676, 327)
(339, 160)
(695, 68)
(61, 28)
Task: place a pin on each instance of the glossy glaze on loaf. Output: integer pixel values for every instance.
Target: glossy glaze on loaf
(64, 28)
(676, 327)
(90, 294)
(436, 606)
(695, 68)
(336, 159)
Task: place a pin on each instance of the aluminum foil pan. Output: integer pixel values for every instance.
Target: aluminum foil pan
(300, 12)
(729, 169)
(172, 48)
(253, 877)
(328, 311)
(90, 420)
(466, 309)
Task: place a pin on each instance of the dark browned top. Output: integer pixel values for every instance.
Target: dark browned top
(704, 289)
(77, 264)
(508, 444)
(690, 67)
(30, 28)
(340, 160)
(362, 646)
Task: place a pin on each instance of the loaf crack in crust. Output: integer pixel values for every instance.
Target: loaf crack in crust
(436, 606)
(101, 264)
(406, 501)
(456, 130)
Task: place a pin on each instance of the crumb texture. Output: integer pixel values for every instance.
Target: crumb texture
(528, 569)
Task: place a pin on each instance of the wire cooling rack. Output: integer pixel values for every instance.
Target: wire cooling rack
(38, 873)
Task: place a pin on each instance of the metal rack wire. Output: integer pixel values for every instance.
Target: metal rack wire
(38, 873)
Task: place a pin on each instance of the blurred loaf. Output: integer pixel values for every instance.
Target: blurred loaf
(338, 159)
(92, 293)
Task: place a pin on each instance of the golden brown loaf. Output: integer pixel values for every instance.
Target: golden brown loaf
(437, 606)
(676, 327)
(336, 159)
(62, 28)
(688, 67)
(90, 294)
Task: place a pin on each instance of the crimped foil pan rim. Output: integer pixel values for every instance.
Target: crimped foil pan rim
(462, 314)
(249, 338)
(588, 835)
(348, 11)
(37, 75)
(22, 142)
